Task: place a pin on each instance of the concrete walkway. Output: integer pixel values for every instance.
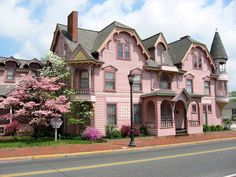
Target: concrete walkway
(110, 146)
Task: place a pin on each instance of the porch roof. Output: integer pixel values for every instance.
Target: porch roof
(159, 93)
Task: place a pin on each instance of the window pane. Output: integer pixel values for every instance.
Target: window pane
(110, 85)
(120, 51)
(10, 73)
(137, 87)
(189, 86)
(84, 79)
(137, 113)
(209, 108)
(111, 114)
(194, 108)
(84, 74)
(207, 87)
(199, 62)
(137, 77)
(110, 76)
(126, 51)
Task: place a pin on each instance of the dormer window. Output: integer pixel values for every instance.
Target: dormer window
(10, 74)
(123, 51)
(222, 67)
(160, 53)
(197, 62)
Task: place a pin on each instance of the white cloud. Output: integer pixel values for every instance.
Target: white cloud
(173, 18)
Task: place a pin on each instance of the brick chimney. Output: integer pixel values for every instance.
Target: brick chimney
(72, 26)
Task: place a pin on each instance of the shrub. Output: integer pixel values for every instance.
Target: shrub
(227, 124)
(213, 128)
(143, 131)
(12, 128)
(206, 128)
(112, 132)
(125, 131)
(219, 128)
(116, 134)
(92, 134)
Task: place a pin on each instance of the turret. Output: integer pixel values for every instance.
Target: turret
(220, 57)
(219, 54)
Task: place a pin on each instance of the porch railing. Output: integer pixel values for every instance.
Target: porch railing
(166, 123)
(151, 125)
(194, 123)
(84, 92)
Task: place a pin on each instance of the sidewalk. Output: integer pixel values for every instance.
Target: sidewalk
(121, 144)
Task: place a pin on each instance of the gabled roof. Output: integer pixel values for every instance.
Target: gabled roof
(92, 40)
(21, 62)
(179, 48)
(151, 41)
(217, 48)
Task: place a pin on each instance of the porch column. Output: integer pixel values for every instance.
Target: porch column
(72, 76)
(158, 114)
(90, 77)
(200, 116)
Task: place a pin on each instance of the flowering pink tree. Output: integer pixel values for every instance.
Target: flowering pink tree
(35, 101)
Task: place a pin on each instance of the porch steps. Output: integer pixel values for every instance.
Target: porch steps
(181, 132)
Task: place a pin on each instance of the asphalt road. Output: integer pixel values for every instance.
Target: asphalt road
(213, 159)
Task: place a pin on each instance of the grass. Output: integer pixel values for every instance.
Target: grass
(18, 142)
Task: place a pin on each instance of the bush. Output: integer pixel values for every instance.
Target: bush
(206, 128)
(212, 128)
(92, 134)
(112, 132)
(219, 128)
(143, 131)
(12, 128)
(227, 124)
(125, 131)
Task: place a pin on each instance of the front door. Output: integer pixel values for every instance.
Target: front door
(180, 115)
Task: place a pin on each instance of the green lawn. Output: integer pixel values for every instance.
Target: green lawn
(30, 142)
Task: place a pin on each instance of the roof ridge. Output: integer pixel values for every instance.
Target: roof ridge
(152, 36)
(79, 28)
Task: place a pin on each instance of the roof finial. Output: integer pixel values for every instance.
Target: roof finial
(216, 29)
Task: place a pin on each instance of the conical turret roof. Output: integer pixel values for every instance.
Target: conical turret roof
(217, 48)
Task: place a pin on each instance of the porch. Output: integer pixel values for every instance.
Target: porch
(172, 114)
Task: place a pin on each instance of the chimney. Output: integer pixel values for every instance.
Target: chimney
(72, 26)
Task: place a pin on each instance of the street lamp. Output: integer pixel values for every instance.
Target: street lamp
(131, 81)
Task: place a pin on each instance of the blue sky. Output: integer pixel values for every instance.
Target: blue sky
(27, 26)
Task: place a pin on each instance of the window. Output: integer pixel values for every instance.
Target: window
(165, 82)
(2, 131)
(137, 86)
(166, 112)
(189, 85)
(222, 66)
(123, 51)
(234, 111)
(207, 87)
(111, 114)
(209, 110)
(220, 85)
(194, 109)
(137, 113)
(10, 73)
(197, 62)
(109, 81)
(84, 79)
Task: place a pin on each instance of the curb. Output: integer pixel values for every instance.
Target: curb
(124, 149)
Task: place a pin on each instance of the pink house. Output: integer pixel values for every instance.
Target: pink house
(178, 87)
(11, 70)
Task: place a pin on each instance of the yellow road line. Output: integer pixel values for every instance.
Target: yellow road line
(115, 163)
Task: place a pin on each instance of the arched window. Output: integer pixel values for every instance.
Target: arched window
(160, 53)
(165, 82)
(166, 111)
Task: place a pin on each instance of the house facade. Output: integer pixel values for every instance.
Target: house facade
(11, 71)
(178, 86)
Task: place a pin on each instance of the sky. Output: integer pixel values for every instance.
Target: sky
(27, 26)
